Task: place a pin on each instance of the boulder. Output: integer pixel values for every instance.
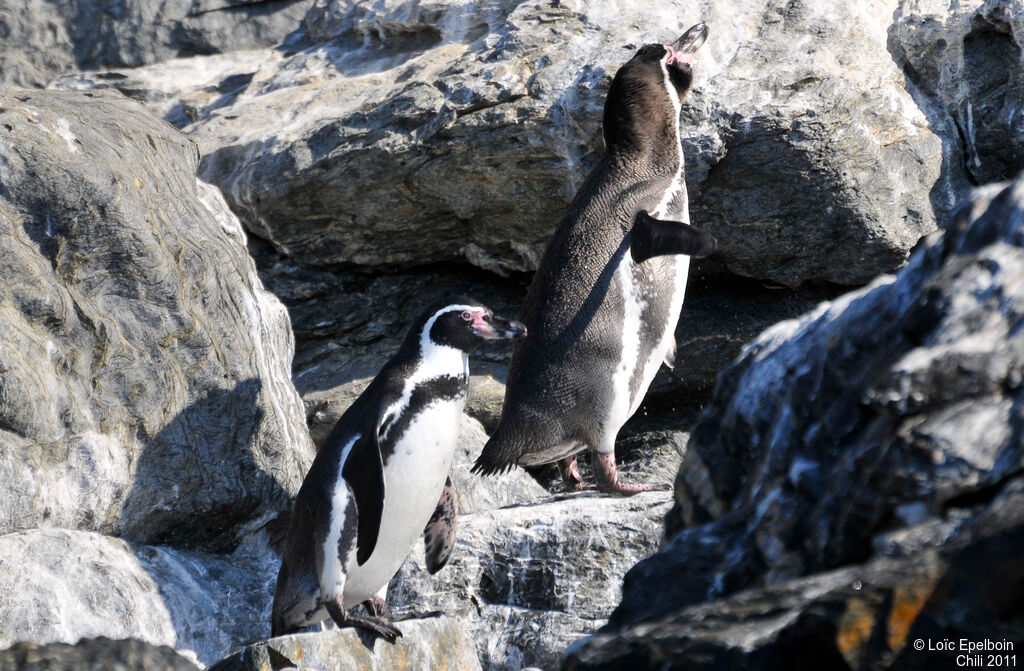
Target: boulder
(58, 585)
(94, 654)
(435, 644)
(918, 611)
(963, 66)
(525, 581)
(881, 425)
(145, 383)
(47, 38)
(414, 132)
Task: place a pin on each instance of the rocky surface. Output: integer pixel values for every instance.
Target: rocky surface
(963, 67)
(58, 585)
(881, 425)
(96, 654)
(526, 580)
(382, 154)
(46, 38)
(145, 388)
(410, 133)
(435, 644)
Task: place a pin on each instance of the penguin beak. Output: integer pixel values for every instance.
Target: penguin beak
(684, 50)
(491, 327)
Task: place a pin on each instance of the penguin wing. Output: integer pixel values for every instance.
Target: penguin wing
(439, 534)
(364, 473)
(656, 237)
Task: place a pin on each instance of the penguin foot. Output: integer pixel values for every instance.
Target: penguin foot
(608, 478)
(570, 470)
(632, 488)
(377, 607)
(376, 625)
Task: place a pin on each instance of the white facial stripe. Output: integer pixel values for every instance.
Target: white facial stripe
(677, 181)
(435, 361)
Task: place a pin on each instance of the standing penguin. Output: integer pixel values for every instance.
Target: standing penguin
(381, 473)
(603, 306)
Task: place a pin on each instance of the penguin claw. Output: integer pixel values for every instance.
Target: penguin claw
(384, 629)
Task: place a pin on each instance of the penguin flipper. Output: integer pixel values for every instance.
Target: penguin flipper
(439, 534)
(670, 355)
(656, 237)
(364, 473)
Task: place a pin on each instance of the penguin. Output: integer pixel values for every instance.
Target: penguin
(602, 308)
(381, 478)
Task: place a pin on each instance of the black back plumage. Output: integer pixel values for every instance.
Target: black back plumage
(558, 383)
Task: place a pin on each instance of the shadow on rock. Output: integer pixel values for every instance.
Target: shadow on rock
(204, 456)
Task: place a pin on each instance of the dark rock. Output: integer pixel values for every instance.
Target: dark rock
(94, 654)
(720, 315)
(888, 613)
(882, 423)
(144, 370)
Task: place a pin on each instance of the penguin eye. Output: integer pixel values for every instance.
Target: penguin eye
(467, 315)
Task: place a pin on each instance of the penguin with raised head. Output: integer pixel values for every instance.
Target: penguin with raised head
(381, 478)
(602, 308)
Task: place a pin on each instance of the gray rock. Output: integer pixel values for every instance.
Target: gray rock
(414, 132)
(525, 581)
(145, 387)
(893, 407)
(47, 38)
(818, 162)
(477, 494)
(93, 654)
(963, 65)
(436, 644)
(58, 585)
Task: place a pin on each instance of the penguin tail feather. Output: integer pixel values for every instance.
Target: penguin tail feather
(498, 456)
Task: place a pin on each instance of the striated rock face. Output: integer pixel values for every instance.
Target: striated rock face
(408, 133)
(61, 585)
(96, 654)
(882, 425)
(46, 38)
(963, 65)
(58, 585)
(436, 644)
(145, 387)
(526, 580)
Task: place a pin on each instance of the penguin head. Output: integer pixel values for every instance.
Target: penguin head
(464, 324)
(640, 108)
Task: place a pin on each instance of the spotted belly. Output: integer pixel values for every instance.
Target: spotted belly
(652, 298)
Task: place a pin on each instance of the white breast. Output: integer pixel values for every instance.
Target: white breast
(413, 479)
(623, 406)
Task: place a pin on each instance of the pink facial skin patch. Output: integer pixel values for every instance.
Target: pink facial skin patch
(682, 59)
